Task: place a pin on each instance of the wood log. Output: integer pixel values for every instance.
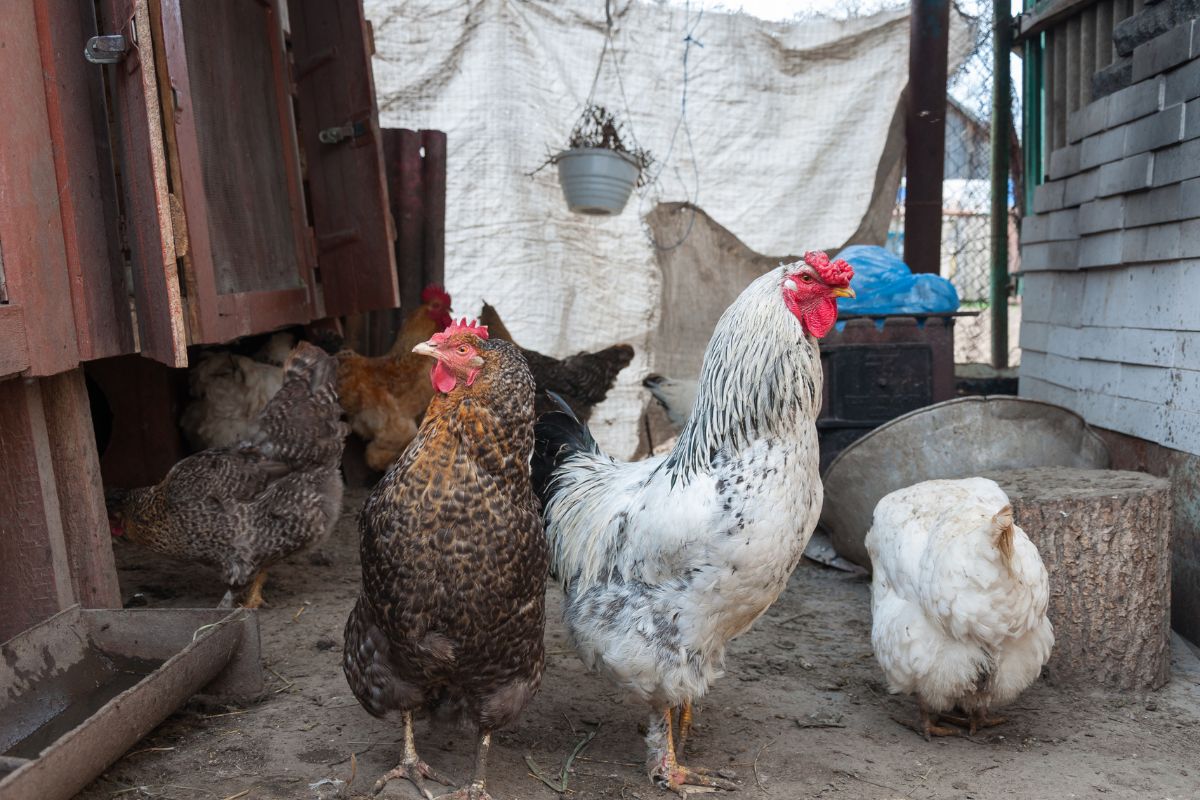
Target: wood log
(1105, 537)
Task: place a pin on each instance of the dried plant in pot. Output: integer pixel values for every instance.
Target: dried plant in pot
(598, 170)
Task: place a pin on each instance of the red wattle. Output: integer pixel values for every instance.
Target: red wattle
(443, 379)
(821, 317)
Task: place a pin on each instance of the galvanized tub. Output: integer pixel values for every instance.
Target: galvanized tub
(959, 438)
(78, 690)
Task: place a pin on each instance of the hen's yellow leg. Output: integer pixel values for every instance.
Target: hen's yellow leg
(685, 727)
(254, 598)
(411, 768)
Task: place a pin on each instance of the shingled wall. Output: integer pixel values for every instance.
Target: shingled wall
(1111, 264)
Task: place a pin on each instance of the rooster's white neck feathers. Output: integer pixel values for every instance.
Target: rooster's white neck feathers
(761, 376)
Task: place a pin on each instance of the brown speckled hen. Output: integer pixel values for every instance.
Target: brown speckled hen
(454, 560)
(244, 507)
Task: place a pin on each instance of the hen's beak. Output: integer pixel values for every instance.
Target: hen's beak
(426, 349)
(842, 291)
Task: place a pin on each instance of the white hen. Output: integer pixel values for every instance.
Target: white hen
(958, 600)
(229, 391)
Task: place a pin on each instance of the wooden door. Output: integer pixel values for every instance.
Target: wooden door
(339, 127)
(231, 138)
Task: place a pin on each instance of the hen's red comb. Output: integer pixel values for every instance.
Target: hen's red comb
(435, 292)
(462, 326)
(835, 273)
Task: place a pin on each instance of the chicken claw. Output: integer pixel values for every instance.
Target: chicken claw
(667, 773)
(412, 768)
(413, 772)
(254, 598)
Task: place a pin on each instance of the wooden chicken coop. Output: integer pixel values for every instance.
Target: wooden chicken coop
(173, 173)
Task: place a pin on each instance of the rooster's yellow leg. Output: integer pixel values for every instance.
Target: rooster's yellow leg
(254, 598)
(412, 768)
(475, 791)
(685, 727)
(665, 770)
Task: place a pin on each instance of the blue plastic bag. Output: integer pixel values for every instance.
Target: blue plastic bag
(885, 285)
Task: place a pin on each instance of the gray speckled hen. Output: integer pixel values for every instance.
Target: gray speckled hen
(244, 507)
(454, 561)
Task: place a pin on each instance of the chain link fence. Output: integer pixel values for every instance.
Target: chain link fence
(966, 205)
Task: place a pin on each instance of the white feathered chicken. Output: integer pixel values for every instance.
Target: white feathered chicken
(665, 560)
(229, 391)
(958, 600)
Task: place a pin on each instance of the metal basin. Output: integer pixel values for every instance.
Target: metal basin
(82, 687)
(956, 439)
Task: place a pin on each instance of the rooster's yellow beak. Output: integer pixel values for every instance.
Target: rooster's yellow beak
(842, 291)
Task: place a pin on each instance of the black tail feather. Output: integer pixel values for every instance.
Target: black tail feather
(557, 435)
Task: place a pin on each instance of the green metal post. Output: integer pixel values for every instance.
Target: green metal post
(1001, 113)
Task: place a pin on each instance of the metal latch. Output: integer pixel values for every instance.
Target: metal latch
(351, 130)
(106, 49)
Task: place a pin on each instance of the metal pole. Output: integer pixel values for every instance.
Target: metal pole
(1001, 111)
(925, 133)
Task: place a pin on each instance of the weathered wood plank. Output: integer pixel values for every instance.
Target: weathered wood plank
(143, 168)
(34, 570)
(14, 354)
(347, 180)
(76, 465)
(35, 261)
(75, 102)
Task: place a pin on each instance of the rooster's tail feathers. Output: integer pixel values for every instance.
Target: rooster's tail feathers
(559, 434)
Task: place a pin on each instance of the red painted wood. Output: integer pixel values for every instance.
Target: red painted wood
(35, 262)
(34, 574)
(14, 354)
(76, 466)
(218, 315)
(141, 162)
(75, 104)
(347, 182)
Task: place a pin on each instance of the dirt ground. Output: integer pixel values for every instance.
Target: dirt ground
(802, 712)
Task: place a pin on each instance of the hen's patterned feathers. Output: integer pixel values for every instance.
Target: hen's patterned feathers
(454, 562)
(243, 507)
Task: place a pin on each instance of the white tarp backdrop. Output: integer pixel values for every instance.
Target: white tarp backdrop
(788, 124)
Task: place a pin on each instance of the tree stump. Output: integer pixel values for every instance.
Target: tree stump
(1105, 537)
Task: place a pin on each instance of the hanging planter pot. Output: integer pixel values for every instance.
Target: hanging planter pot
(595, 180)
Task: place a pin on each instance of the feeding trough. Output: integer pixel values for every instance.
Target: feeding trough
(81, 688)
(959, 438)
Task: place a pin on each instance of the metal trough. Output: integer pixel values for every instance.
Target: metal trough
(955, 439)
(78, 690)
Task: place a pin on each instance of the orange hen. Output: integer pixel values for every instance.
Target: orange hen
(385, 396)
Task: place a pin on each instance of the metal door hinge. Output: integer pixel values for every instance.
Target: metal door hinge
(351, 130)
(108, 49)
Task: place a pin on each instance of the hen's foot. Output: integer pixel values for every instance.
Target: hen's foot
(414, 772)
(254, 598)
(972, 722)
(927, 723)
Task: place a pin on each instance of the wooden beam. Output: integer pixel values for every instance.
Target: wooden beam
(1048, 14)
(35, 577)
(925, 133)
(35, 262)
(80, 491)
(14, 354)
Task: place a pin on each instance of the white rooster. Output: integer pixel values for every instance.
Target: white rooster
(665, 560)
(958, 600)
